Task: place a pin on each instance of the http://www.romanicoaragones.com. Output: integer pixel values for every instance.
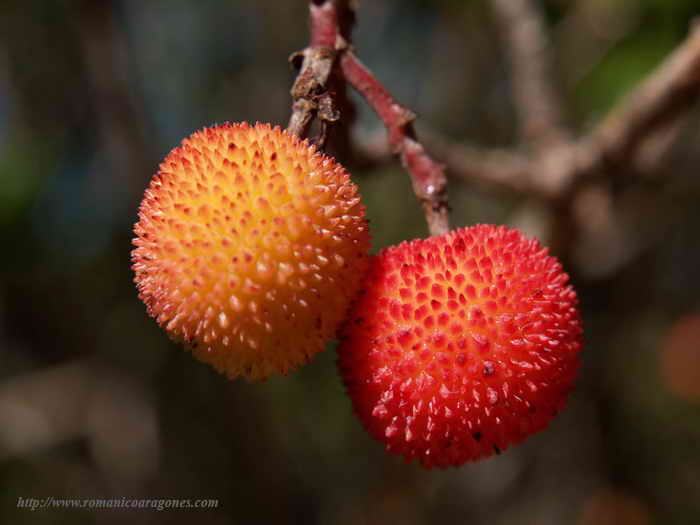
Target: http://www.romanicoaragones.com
(50, 502)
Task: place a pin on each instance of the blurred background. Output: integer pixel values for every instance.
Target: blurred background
(96, 402)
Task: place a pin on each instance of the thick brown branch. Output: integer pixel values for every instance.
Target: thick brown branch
(661, 98)
(648, 113)
(427, 176)
(652, 111)
(497, 168)
(537, 101)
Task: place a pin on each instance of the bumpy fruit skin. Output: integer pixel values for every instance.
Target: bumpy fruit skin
(461, 345)
(250, 247)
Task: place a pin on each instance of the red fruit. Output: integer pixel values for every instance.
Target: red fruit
(461, 345)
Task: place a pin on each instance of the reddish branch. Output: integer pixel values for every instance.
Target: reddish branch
(427, 176)
(330, 27)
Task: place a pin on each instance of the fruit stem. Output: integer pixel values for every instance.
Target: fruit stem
(331, 22)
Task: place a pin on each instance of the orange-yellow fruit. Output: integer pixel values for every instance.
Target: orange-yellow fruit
(461, 345)
(250, 246)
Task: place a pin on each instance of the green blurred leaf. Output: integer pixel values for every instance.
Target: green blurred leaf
(20, 169)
